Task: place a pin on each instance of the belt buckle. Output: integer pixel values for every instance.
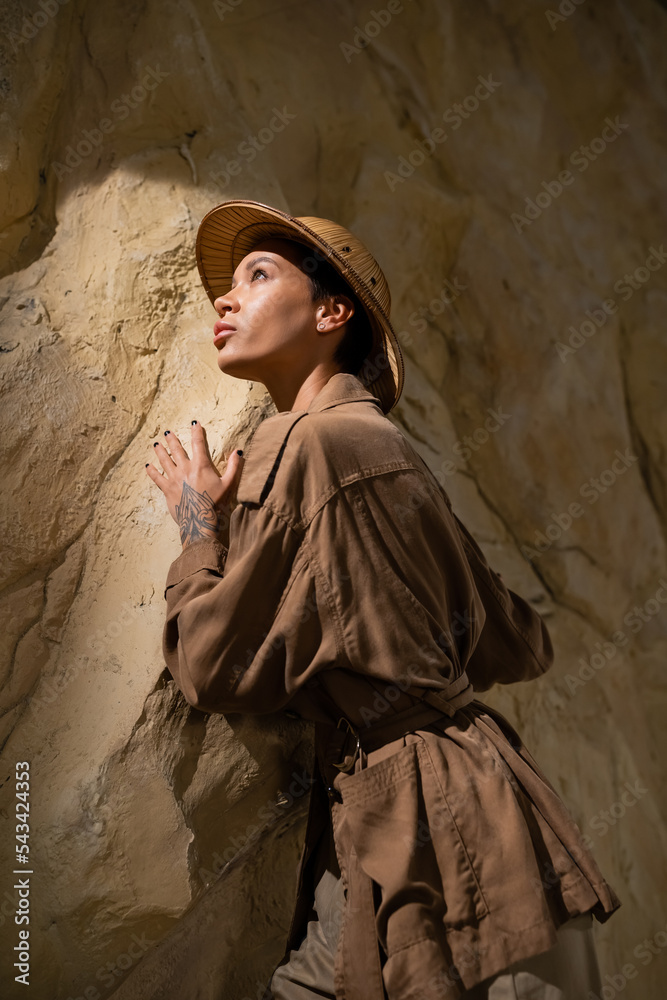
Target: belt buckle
(347, 767)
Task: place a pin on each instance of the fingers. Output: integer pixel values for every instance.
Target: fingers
(233, 471)
(200, 450)
(155, 475)
(175, 447)
(170, 459)
(163, 457)
(171, 455)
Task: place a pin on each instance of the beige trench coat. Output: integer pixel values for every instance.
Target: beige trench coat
(351, 591)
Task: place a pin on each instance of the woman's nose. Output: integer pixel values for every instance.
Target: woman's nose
(223, 304)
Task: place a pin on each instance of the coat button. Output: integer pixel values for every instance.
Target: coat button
(334, 794)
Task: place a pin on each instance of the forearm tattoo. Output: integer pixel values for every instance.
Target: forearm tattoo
(197, 516)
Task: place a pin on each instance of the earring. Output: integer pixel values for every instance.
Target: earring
(320, 326)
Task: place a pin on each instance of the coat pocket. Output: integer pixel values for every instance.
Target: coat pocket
(408, 840)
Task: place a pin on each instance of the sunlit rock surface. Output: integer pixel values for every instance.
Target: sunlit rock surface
(521, 233)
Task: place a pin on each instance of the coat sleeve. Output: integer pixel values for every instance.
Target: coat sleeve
(514, 644)
(242, 625)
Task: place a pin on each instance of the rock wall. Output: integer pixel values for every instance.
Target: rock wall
(505, 162)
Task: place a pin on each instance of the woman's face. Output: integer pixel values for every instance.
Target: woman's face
(274, 318)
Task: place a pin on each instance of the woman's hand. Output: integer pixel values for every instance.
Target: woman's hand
(198, 497)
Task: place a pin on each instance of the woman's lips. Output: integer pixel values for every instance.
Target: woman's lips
(220, 332)
(220, 325)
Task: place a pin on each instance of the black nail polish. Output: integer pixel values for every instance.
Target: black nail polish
(239, 451)
(167, 432)
(193, 421)
(155, 444)
(147, 464)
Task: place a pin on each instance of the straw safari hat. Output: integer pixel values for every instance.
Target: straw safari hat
(231, 230)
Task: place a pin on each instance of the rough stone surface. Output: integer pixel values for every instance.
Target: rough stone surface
(137, 801)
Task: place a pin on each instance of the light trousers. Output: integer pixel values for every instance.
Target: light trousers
(568, 971)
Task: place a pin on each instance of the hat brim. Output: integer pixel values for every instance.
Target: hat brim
(230, 231)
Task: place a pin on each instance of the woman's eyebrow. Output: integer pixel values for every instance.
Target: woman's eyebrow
(255, 260)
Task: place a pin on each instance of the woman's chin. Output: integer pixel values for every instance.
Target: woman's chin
(235, 366)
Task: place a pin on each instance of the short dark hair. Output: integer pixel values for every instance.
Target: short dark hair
(325, 281)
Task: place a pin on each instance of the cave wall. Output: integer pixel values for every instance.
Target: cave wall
(505, 163)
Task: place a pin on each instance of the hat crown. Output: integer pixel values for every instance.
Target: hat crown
(355, 255)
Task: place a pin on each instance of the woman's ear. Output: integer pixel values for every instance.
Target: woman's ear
(336, 310)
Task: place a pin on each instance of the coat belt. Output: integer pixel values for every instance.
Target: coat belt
(342, 746)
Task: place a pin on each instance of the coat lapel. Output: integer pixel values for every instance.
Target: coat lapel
(264, 455)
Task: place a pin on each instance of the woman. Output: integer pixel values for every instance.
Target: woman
(439, 861)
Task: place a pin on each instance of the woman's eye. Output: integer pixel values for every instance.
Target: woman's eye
(258, 270)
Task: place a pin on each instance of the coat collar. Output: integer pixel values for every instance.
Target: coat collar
(341, 388)
(266, 447)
